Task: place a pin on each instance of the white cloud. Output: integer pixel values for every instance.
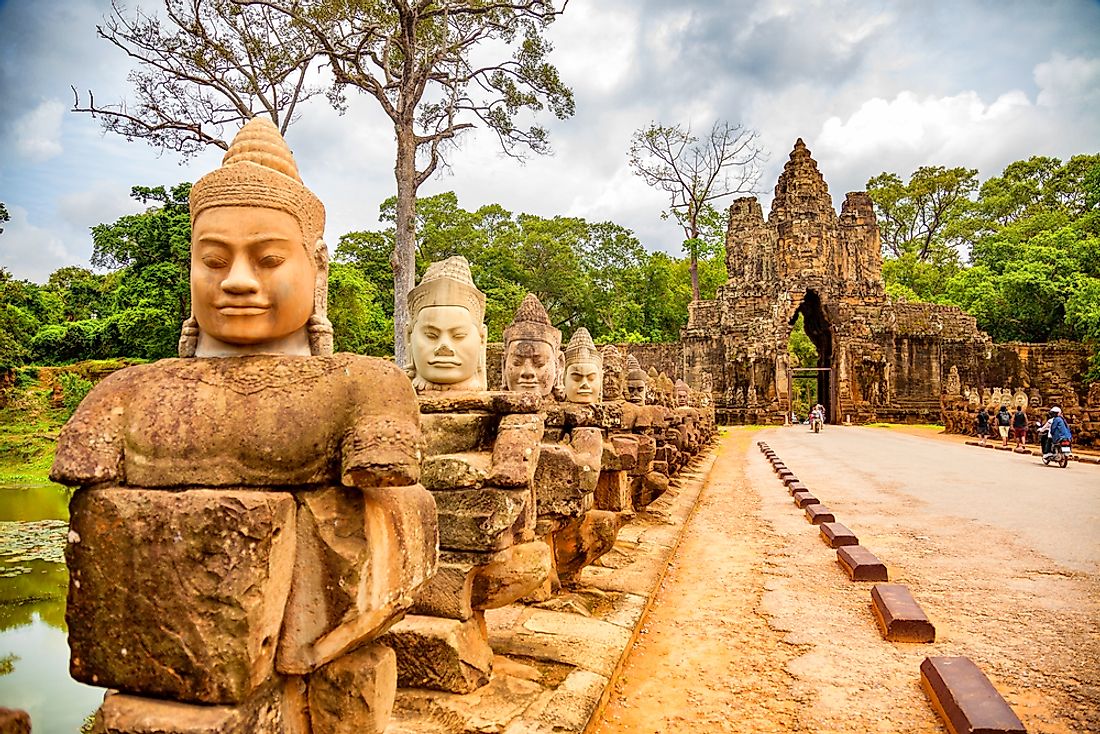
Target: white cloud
(33, 252)
(37, 133)
(1065, 81)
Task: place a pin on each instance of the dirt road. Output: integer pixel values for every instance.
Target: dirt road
(757, 629)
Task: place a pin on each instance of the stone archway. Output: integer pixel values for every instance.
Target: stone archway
(819, 329)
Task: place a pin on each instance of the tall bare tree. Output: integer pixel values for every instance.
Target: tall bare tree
(417, 59)
(695, 172)
(204, 68)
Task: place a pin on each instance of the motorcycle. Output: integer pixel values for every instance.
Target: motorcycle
(1059, 454)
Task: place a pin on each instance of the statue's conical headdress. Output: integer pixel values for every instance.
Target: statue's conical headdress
(612, 357)
(681, 386)
(634, 370)
(259, 170)
(532, 323)
(448, 283)
(582, 349)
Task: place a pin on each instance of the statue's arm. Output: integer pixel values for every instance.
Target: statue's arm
(382, 446)
(89, 448)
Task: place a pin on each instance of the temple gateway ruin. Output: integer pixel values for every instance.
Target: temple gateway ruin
(878, 360)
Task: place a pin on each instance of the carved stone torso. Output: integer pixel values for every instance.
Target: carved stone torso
(248, 421)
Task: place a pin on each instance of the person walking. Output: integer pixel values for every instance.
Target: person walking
(1004, 423)
(1019, 426)
(983, 425)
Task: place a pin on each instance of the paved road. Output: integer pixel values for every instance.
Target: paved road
(1054, 511)
(757, 629)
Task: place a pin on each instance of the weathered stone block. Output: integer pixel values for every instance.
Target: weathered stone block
(613, 492)
(625, 451)
(361, 556)
(899, 616)
(964, 698)
(558, 485)
(354, 693)
(582, 541)
(205, 576)
(796, 487)
(836, 535)
(441, 654)
(456, 471)
(516, 451)
(278, 708)
(480, 519)
(495, 402)
(455, 433)
(587, 445)
(513, 573)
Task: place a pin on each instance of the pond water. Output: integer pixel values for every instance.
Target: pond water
(34, 652)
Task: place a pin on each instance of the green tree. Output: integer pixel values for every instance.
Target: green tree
(436, 70)
(695, 173)
(85, 294)
(4, 216)
(923, 217)
(359, 322)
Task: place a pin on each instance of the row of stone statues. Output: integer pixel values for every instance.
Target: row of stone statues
(268, 537)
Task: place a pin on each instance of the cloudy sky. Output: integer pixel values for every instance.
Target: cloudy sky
(870, 86)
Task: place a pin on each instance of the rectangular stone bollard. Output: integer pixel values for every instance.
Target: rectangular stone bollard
(964, 698)
(206, 575)
(899, 616)
(804, 499)
(350, 578)
(861, 564)
(817, 514)
(836, 534)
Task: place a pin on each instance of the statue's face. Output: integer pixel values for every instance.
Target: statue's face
(251, 279)
(583, 382)
(612, 383)
(530, 366)
(446, 344)
(635, 391)
(683, 398)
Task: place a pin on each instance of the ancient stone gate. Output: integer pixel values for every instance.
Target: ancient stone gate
(877, 360)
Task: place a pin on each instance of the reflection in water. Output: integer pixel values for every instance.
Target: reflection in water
(34, 652)
(23, 502)
(39, 682)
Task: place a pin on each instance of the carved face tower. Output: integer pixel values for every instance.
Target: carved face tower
(446, 333)
(258, 266)
(583, 369)
(533, 361)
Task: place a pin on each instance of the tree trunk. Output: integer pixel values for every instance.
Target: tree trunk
(403, 259)
(694, 278)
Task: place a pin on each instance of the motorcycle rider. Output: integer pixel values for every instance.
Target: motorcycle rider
(817, 414)
(1059, 429)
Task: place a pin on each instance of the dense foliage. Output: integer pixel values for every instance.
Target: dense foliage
(1020, 252)
(587, 274)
